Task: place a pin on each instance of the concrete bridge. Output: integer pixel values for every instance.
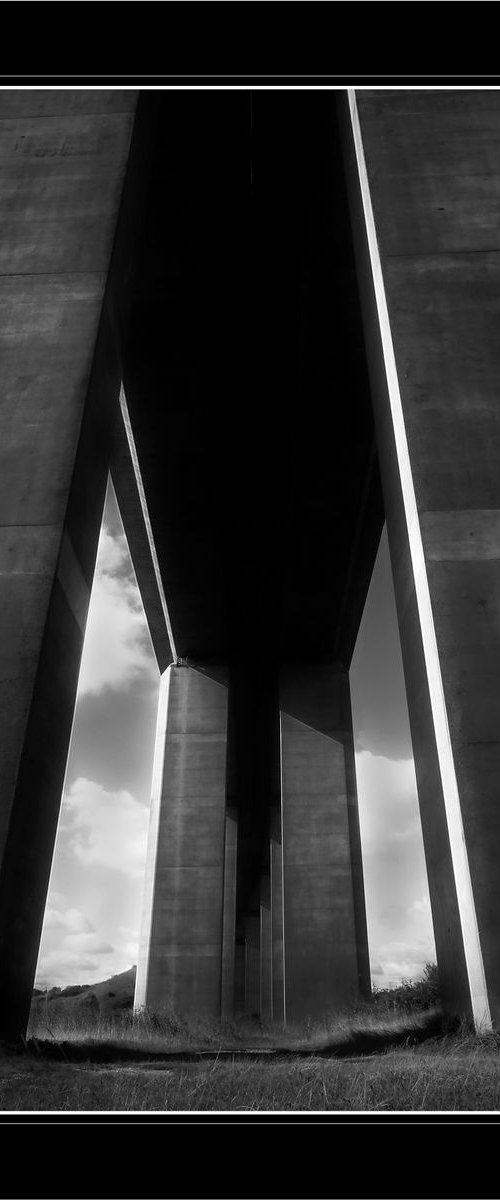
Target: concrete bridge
(273, 316)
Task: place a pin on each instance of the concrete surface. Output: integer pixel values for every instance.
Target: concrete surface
(229, 915)
(249, 340)
(180, 962)
(266, 950)
(322, 945)
(433, 176)
(62, 175)
(252, 965)
(277, 931)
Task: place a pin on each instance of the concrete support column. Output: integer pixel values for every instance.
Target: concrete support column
(266, 950)
(252, 964)
(424, 178)
(276, 888)
(229, 915)
(64, 157)
(180, 955)
(239, 975)
(324, 943)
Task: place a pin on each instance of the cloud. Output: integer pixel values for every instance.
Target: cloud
(72, 920)
(90, 943)
(70, 944)
(404, 960)
(106, 829)
(420, 906)
(129, 942)
(388, 804)
(398, 910)
(61, 965)
(117, 648)
(113, 556)
(73, 951)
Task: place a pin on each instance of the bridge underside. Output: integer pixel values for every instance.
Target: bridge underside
(247, 389)
(252, 310)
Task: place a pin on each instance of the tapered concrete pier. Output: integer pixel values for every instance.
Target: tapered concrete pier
(325, 951)
(273, 317)
(180, 965)
(425, 185)
(64, 163)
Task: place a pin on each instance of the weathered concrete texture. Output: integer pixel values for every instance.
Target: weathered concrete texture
(245, 567)
(276, 889)
(239, 975)
(266, 950)
(229, 915)
(63, 102)
(252, 965)
(61, 183)
(320, 934)
(64, 219)
(181, 946)
(433, 174)
(127, 482)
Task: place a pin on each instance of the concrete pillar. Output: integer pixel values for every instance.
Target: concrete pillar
(229, 915)
(239, 975)
(266, 950)
(64, 157)
(252, 964)
(180, 952)
(276, 889)
(424, 171)
(325, 947)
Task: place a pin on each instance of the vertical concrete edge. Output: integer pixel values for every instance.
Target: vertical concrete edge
(140, 996)
(468, 917)
(282, 817)
(229, 913)
(146, 518)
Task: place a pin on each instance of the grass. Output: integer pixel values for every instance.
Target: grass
(349, 1063)
(86, 1052)
(363, 1029)
(456, 1075)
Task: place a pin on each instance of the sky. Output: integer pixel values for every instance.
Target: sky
(400, 933)
(92, 916)
(93, 910)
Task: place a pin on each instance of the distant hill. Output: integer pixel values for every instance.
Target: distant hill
(111, 995)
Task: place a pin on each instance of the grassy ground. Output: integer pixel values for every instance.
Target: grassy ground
(452, 1076)
(86, 1052)
(371, 1060)
(367, 1028)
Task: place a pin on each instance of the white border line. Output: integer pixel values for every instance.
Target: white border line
(147, 522)
(465, 897)
(140, 85)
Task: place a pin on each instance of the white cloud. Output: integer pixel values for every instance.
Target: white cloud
(59, 966)
(404, 960)
(72, 919)
(399, 919)
(112, 553)
(388, 804)
(117, 648)
(420, 906)
(69, 944)
(129, 942)
(106, 829)
(73, 951)
(88, 943)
